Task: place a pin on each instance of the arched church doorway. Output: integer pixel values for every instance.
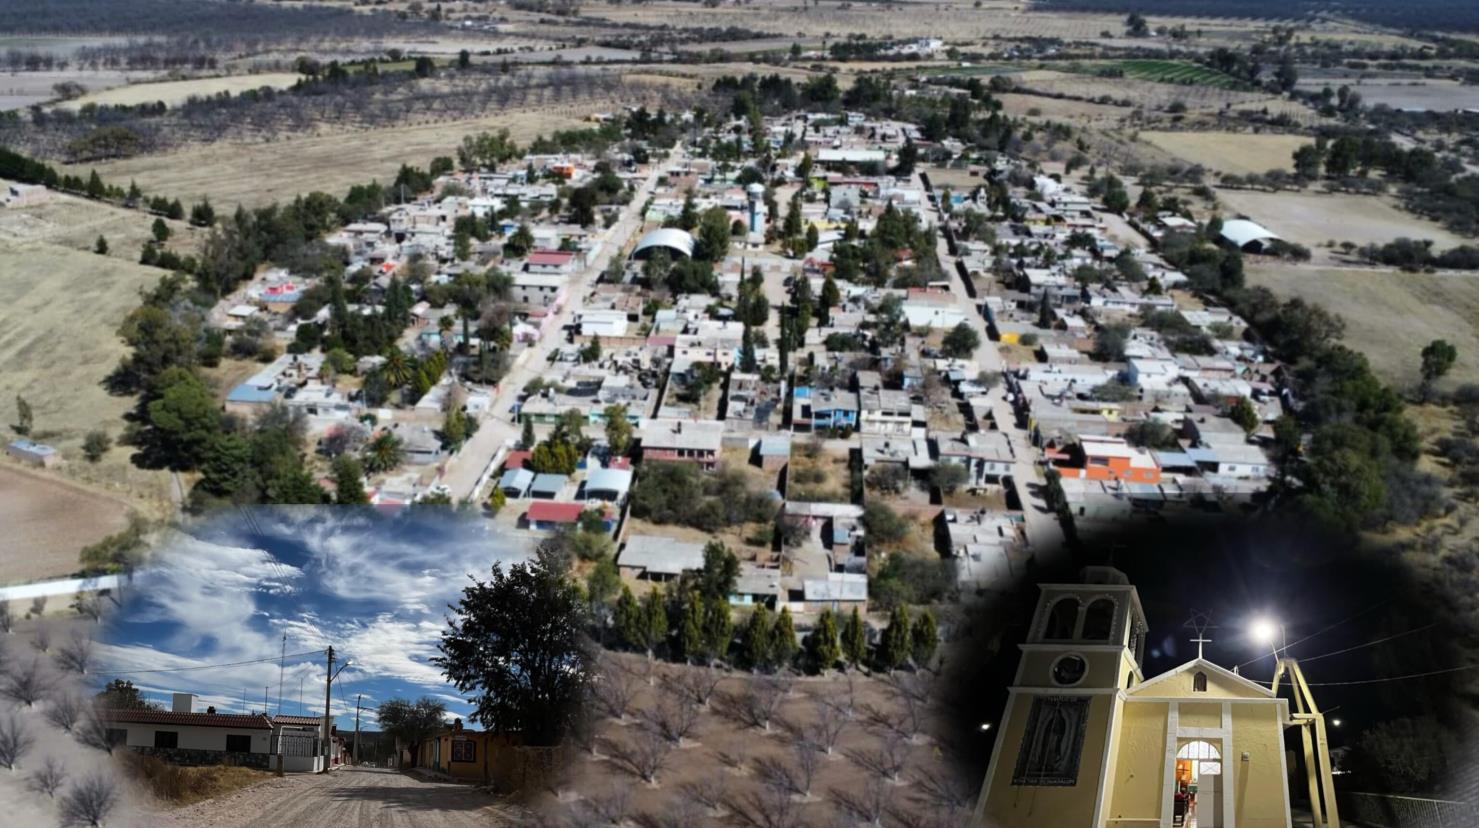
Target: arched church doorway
(1198, 785)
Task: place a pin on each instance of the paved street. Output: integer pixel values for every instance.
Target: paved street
(368, 797)
(1043, 530)
(497, 427)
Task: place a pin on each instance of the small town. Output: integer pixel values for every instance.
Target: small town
(813, 439)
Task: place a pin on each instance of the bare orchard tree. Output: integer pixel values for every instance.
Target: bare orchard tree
(49, 778)
(75, 654)
(677, 813)
(91, 607)
(615, 687)
(41, 636)
(644, 753)
(830, 722)
(768, 807)
(15, 740)
(946, 795)
(7, 621)
(887, 760)
(26, 684)
(808, 758)
(762, 698)
(674, 717)
(65, 711)
(737, 757)
(708, 792)
(612, 805)
(91, 731)
(89, 802)
(699, 684)
(865, 803)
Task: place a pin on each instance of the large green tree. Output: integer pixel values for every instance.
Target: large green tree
(411, 722)
(895, 645)
(183, 417)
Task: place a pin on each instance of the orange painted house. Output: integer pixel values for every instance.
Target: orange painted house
(1109, 458)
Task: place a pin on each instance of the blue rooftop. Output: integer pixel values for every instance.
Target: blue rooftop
(246, 393)
(31, 446)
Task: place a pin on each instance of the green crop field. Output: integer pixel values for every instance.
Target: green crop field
(1179, 72)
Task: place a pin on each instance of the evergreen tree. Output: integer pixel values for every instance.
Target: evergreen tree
(755, 641)
(718, 627)
(855, 639)
(526, 438)
(654, 621)
(691, 634)
(134, 193)
(747, 360)
(822, 650)
(25, 418)
(783, 640)
(95, 188)
(894, 646)
(160, 230)
(924, 638)
(101, 246)
(349, 488)
(628, 618)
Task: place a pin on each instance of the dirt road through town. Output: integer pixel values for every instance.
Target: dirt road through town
(364, 797)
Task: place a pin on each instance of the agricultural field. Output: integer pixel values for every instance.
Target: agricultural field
(75, 223)
(740, 753)
(173, 93)
(1179, 72)
(1060, 109)
(47, 522)
(1389, 315)
(258, 174)
(60, 307)
(22, 89)
(1236, 153)
(1142, 94)
(1409, 92)
(1313, 218)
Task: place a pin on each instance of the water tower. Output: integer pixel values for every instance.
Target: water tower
(756, 193)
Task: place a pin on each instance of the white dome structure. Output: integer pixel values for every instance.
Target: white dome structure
(1248, 236)
(676, 242)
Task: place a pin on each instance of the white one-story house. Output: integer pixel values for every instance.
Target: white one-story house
(184, 737)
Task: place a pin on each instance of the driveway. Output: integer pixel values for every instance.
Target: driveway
(369, 797)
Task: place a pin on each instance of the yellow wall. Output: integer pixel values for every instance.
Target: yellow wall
(1200, 715)
(1218, 687)
(1260, 785)
(1037, 667)
(1023, 806)
(1141, 768)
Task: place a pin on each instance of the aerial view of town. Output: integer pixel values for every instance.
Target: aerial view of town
(755, 413)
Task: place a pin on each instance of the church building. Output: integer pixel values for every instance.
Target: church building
(1087, 741)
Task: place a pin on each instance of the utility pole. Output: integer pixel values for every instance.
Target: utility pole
(328, 685)
(281, 663)
(357, 697)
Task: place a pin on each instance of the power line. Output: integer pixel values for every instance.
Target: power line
(1367, 644)
(1320, 632)
(1389, 678)
(207, 666)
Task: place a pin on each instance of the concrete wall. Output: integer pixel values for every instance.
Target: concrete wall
(1140, 769)
(192, 738)
(1260, 788)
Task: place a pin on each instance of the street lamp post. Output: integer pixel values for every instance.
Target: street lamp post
(1311, 723)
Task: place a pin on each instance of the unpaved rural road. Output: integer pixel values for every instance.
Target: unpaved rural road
(369, 797)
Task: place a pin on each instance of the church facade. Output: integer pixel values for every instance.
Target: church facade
(1086, 740)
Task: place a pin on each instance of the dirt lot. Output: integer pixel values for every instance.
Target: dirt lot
(730, 768)
(348, 796)
(258, 174)
(1230, 152)
(47, 521)
(1314, 218)
(176, 92)
(60, 307)
(1389, 315)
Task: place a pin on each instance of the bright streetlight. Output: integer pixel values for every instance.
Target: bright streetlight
(985, 726)
(1264, 630)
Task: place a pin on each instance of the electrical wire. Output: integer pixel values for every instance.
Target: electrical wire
(208, 666)
(1319, 632)
(1381, 680)
(1367, 644)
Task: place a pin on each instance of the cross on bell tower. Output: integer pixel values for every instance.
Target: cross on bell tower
(1199, 623)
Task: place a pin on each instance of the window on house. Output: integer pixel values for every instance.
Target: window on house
(464, 750)
(166, 738)
(1199, 683)
(117, 736)
(238, 743)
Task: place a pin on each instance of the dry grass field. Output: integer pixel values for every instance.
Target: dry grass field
(173, 93)
(1144, 94)
(76, 223)
(1390, 315)
(1314, 218)
(47, 522)
(1230, 152)
(1061, 109)
(259, 174)
(738, 759)
(60, 306)
(22, 89)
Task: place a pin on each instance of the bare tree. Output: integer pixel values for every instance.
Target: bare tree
(888, 760)
(615, 688)
(41, 637)
(736, 758)
(65, 710)
(612, 805)
(91, 607)
(644, 753)
(678, 813)
(808, 757)
(700, 683)
(25, 685)
(49, 778)
(7, 621)
(15, 740)
(762, 698)
(76, 654)
(674, 717)
(829, 726)
(867, 803)
(708, 791)
(92, 732)
(768, 807)
(89, 801)
(949, 796)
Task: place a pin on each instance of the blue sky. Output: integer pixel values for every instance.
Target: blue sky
(375, 586)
